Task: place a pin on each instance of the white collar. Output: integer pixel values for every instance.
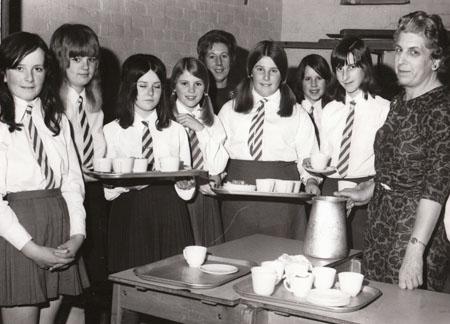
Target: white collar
(20, 106)
(73, 95)
(357, 98)
(275, 97)
(182, 109)
(151, 119)
(307, 105)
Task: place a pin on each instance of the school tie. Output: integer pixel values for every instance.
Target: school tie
(344, 155)
(196, 153)
(316, 129)
(147, 146)
(39, 151)
(256, 131)
(88, 142)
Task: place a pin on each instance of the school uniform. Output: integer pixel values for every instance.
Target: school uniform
(204, 210)
(314, 110)
(286, 141)
(369, 115)
(94, 249)
(148, 223)
(28, 211)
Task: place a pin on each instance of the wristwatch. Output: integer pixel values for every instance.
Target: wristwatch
(415, 240)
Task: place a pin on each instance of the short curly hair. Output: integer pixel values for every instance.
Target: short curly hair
(434, 32)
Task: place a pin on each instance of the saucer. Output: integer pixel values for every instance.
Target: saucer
(328, 297)
(327, 171)
(218, 269)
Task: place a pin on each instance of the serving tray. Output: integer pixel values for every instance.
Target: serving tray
(135, 178)
(300, 195)
(282, 297)
(174, 271)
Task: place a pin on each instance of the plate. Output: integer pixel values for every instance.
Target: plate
(218, 268)
(326, 171)
(328, 297)
(300, 195)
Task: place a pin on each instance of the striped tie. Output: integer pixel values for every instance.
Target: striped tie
(256, 131)
(39, 151)
(88, 143)
(344, 155)
(147, 146)
(196, 153)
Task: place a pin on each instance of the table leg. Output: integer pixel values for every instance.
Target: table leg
(116, 310)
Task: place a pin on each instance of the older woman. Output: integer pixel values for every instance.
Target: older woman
(217, 49)
(405, 242)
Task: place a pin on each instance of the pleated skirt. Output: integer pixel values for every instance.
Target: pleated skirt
(44, 214)
(147, 225)
(243, 216)
(204, 212)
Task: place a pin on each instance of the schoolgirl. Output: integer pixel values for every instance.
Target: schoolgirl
(266, 106)
(193, 110)
(77, 50)
(350, 122)
(42, 218)
(312, 77)
(150, 223)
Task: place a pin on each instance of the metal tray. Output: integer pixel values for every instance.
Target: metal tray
(286, 299)
(174, 271)
(300, 195)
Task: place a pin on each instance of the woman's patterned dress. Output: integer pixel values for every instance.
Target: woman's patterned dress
(412, 161)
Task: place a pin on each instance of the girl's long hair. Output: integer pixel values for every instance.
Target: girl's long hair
(133, 68)
(13, 50)
(361, 54)
(199, 70)
(244, 98)
(73, 40)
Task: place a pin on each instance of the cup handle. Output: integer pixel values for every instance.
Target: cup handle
(286, 285)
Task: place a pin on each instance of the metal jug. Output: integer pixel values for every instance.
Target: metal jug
(326, 233)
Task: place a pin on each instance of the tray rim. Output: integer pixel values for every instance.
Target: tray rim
(145, 175)
(243, 266)
(299, 195)
(303, 304)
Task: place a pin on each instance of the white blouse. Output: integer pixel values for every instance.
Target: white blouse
(369, 116)
(19, 171)
(316, 110)
(211, 140)
(287, 139)
(120, 142)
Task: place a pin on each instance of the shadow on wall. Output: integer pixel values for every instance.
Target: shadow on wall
(110, 75)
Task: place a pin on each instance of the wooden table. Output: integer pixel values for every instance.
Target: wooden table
(224, 305)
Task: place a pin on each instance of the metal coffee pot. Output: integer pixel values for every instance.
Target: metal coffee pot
(326, 233)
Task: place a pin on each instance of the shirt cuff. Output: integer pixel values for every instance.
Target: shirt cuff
(18, 236)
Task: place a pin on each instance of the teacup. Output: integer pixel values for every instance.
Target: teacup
(169, 164)
(265, 185)
(276, 265)
(283, 186)
(324, 277)
(297, 186)
(300, 286)
(350, 282)
(123, 165)
(103, 164)
(140, 165)
(263, 280)
(296, 269)
(319, 160)
(195, 255)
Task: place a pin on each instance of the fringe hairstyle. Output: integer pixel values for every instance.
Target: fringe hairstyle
(133, 68)
(13, 50)
(244, 98)
(361, 54)
(199, 70)
(72, 40)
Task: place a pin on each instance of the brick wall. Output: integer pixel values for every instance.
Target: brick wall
(167, 28)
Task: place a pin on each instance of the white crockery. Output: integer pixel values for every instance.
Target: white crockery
(263, 280)
(300, 286)
(324, 277)
(103, 164)
(319, 160)
(123, 165)
(276, 265)
(140, 165)
(265, 185)
(195, 255)
(169, 164)
(350, 282)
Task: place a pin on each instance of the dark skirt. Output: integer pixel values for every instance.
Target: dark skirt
(44, 214)
(357, 220)
(147, 225)
(204, 212)
(95, 246)
(392, 215)
(243, 216)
